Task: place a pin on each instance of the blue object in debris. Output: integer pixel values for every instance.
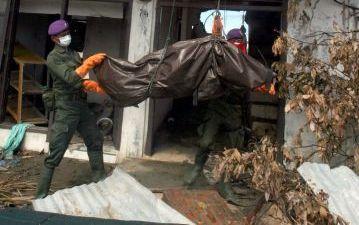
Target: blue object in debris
(14, 140)
(9, 163)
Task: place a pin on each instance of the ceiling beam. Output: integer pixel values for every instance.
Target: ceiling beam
(229, 6)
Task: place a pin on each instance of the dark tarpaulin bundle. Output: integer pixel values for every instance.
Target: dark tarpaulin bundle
(206, 66)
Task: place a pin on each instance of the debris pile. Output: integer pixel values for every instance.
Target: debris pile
(13, 191)
(286, 193)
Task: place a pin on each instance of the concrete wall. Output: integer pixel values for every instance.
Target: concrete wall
(31, 142)
(137, 125)
(324, 15)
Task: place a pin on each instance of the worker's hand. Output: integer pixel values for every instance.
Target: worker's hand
(95, 59)
(92, 86)
(264, 90)
(90, 63)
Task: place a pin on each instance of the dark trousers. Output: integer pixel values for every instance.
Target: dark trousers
(71, 116)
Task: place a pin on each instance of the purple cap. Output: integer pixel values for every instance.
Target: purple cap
(234, 34)
(57, 27)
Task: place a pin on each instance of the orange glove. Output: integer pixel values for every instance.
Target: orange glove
(272, 89)
(217, 26)
(264, 90)
(89, 64)
(93, 86)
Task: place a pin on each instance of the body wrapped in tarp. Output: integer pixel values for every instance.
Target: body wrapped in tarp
(206, 66)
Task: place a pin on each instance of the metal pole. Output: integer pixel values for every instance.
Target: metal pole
(64, 8)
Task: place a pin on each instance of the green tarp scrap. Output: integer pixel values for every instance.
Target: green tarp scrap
(14, 140)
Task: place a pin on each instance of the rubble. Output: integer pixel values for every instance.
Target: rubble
(286, 192)
(13, 191)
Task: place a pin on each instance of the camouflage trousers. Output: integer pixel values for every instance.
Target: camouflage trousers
(71, 116)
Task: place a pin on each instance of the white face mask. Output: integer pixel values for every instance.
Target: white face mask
(65, 40)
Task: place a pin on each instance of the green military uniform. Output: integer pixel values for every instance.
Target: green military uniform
(71, 114)
(222, 129)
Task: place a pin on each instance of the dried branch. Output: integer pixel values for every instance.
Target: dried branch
(15, 192)
(281, 187)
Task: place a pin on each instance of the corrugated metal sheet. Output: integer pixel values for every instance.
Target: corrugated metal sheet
(119, 196)
(342, 185)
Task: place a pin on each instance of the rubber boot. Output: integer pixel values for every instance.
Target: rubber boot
(44, 184)
(200, 161)
(226, 191)
(192, 176)
(97, 165)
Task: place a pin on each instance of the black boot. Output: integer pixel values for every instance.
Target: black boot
(44, 184)
(97, 166)
(199, 162)
(192, 176)
(226, 191)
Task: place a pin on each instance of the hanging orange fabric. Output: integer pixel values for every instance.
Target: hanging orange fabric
(217, 26)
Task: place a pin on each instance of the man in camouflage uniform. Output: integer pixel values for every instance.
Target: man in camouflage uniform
(71, 110)
(223, 123)
(222, 129)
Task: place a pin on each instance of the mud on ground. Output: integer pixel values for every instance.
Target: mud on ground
(71, 172)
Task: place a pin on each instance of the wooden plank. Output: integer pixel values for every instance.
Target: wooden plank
(228, 6)
(29, 113)
(29, 87)
(23, 55)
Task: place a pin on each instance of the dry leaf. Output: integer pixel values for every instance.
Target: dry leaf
(323, 212)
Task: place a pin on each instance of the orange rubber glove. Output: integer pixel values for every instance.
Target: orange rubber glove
(217, 26)
(89, 64)
(264, 90)
(93, 86)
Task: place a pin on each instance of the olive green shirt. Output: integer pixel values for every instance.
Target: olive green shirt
(61, 64)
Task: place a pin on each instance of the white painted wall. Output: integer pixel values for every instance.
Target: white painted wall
(136, 119)
(325, 15)
(31, 142)
(36, 142)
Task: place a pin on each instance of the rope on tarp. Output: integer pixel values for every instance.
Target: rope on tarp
(15, 138)
(164, 51)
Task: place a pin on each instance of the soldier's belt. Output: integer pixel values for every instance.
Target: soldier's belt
(72, 97)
